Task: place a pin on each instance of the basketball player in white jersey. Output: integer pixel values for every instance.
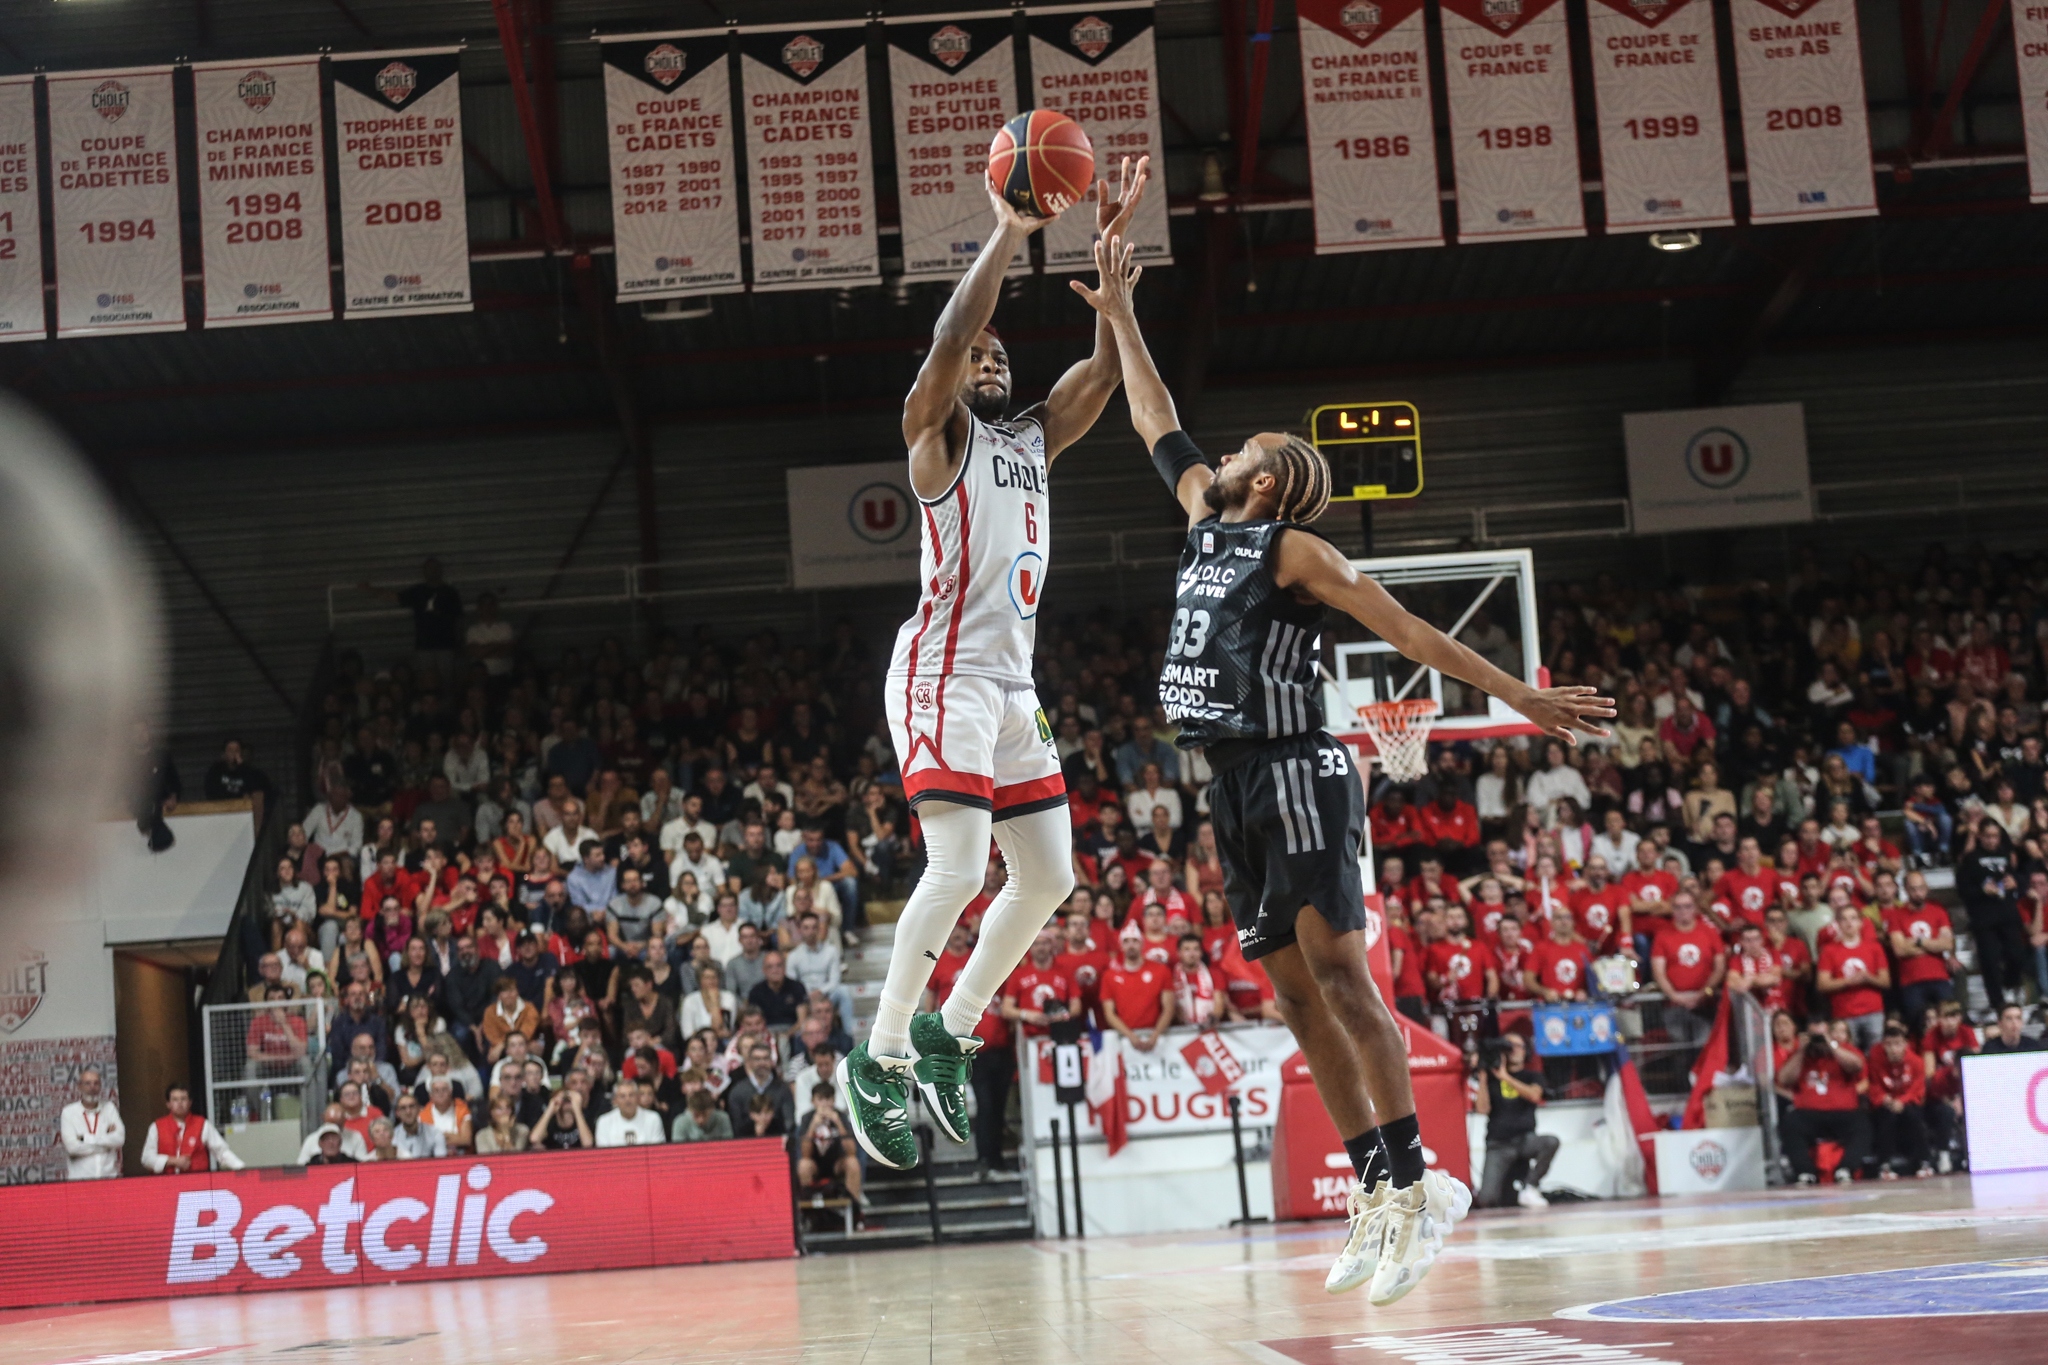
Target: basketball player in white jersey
(975, 751)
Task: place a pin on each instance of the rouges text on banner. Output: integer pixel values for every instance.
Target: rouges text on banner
(674, 162)
(21, 217)
(1371, 141)
(262, 192)
(810, 162)
(1100, 66)
(114, 203)
(1657, 83)
(398, 154)
(1514, 136)
(952, 85)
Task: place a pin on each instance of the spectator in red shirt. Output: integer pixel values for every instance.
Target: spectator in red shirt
(1898, 1092)
(1649, 889)
(1449, 827)
(1150, 922)
(1405, 959)
(1160, 891)
(1432, 880)
(1983, 662)
(1854, 975)
(1942, 1052)
(1561, 968)
(1038, 993)
(1687, 961)
(1822, 1076)
(1489, 907)
(1084, 960)
(1199, 995)
(1873, 852)
(1748, 888)
(1513, 960)
(1795, 959)
(1685, 730)
(1251, 990)
(1921, 939)
(1137, 996)
(1754, 968)
(1458, 969)
(1394, 827)
(1596, 908)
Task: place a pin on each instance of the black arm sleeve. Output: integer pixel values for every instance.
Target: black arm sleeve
(1174, 455)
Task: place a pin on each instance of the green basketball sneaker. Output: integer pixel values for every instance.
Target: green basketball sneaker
(877, 1095)
(942, 1068)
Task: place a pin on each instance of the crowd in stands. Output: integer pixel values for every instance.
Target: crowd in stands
(602, 899)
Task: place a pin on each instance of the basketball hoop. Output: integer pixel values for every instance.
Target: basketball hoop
(1400, 734)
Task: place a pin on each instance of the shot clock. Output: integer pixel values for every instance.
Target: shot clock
(1374, 449)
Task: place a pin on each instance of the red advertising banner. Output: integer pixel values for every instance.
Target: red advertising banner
(398, 1222)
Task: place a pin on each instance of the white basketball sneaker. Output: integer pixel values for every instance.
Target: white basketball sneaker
(1417, 1221)
(1361, 1254)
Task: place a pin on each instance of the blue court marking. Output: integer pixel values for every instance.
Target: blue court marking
(1969, 1288)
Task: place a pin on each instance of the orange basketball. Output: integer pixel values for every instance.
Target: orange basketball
(1041, 163)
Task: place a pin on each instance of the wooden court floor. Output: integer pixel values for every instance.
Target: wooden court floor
(1221, 1296)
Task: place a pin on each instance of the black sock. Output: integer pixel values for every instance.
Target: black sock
(1368, 1157)
(1403, 1139)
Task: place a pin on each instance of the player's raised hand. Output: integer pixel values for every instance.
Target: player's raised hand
(1113, 211)
(1008, 215)
(1119, 275)
(1565, 712)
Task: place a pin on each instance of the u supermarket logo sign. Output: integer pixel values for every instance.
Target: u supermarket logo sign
(879, 513)
(1717, 458)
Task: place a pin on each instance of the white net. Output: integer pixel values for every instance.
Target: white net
(1400, 734)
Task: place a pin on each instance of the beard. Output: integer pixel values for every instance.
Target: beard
(1216, 498)
(987, 404)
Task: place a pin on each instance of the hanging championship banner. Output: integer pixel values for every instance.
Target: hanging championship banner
(398, 149)
(114, 203)
(2030, 43)
(262, 192)
(810, 168)
(1657, 82)
(1371, 145)
(1097, 64)
(1514, 139)
(675, 178)
(1805, 131)
(953, 83)
(21, 218)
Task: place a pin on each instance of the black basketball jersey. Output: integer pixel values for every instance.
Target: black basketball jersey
(1241, 660)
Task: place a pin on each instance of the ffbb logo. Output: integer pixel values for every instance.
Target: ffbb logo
(803, 54)
(397, 82)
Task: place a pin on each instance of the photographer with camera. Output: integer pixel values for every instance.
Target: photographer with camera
(1515, 1151)
(1822, 1076)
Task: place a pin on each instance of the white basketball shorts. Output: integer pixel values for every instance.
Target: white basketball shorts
(975, 742)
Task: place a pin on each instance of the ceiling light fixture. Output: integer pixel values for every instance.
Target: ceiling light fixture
(1674, 241)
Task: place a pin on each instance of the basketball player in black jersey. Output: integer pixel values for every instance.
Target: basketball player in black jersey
(1241, 677)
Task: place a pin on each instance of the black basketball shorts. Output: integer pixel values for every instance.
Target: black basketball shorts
(1289, 820)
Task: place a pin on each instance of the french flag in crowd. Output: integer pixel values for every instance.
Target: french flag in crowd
(1107, 1090)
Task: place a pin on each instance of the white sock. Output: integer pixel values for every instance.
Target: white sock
(956, 860)
(1038, 850)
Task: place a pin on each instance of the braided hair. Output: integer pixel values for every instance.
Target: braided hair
(1302, 480)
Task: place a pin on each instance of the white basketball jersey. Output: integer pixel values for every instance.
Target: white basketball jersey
(983, 562)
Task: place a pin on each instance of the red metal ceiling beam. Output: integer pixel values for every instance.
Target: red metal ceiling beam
(1988, 24)
(512, 37)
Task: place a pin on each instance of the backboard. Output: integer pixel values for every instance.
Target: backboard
(1485, 599)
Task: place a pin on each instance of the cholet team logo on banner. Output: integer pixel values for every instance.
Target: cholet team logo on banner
(23, 984)
(397, 82)
(879, 513)
(803, 54)
(110, 99)
(1092, 36)
(256, 89)
(665, 64)
(951, 45)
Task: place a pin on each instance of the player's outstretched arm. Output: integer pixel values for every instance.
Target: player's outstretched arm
(1152, 410)
(934, 418)
(1314, 566)
(1077, 400)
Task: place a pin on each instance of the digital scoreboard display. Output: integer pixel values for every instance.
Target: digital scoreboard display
(1374, 449)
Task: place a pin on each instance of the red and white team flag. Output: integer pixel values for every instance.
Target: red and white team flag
(114, 203)
(675, 182)
(1514, 137)
(1804, 127)
(398, 151)
(2030, 43)
(1371, 143)
(810, 162)
(1212, 1062)
(1108, 1091)
(953, 84)
(262, 191)
(1657, 82)
(21, 217)
(1099, 65)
